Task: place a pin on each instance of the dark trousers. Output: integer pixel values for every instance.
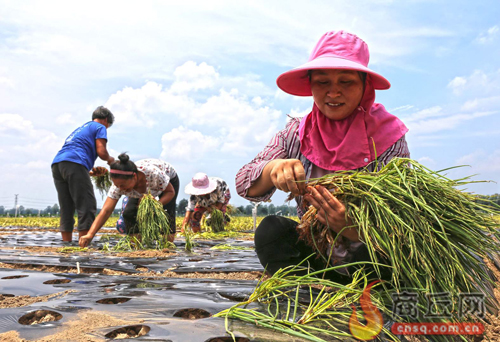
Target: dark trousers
(74, 192)
(130, 211)
(278, 245)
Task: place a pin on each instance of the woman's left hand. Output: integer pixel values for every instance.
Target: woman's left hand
(331, 212)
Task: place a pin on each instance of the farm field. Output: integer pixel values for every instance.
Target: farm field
(52, 291)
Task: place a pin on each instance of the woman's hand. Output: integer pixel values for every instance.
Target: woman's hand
(85, 240)
(288, 175)
(331, 212)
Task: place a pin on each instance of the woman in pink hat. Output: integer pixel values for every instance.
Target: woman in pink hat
(133, 180)
(206, 193)
(346, 130)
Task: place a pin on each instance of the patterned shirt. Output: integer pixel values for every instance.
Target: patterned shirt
(286, 145)
(158, 175)
(221, 194)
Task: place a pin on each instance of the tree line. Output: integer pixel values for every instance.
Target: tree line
(263, 209)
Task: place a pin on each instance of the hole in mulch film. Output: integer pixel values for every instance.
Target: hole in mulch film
(131, 331)
(40, 316)
(57, 281)
(230, 261)
(192, 313)
(113, 300)
(228, 339)
(15, 277)
(195, 259)
(110, 285)
(236, 296)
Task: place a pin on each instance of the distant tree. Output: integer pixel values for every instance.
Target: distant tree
(271, 209)
(48, 210)
(2, 210)
(262, 210)
(241, 210)
(55, 209)
(248, 210)
(181, 207)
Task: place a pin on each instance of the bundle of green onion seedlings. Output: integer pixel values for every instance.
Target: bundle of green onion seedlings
(100, 177)
(153, 223)
(433, 236)
(217, 220)
(305, 306)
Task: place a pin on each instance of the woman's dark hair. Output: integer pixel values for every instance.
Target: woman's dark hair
(103, 113)
(123, 164)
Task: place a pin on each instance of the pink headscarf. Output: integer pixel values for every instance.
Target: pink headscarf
(349, 144)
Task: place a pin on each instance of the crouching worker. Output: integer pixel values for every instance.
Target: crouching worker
(134, 180)
(206, 193)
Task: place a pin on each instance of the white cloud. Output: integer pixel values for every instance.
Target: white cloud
(297, 113)
(7, 82)
(481, 103)
(183, 144)
(488, 36)
(401, 108)
(193, 77)
(66, 119)
(427, 162)
(457, 85)
(15, 125)
(142, 107)
(434, 119)
(482, 161)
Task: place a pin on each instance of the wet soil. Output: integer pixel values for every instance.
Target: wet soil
(19, 301)
(143, 272)
(76, 330)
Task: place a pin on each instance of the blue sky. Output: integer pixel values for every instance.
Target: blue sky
(193, 82)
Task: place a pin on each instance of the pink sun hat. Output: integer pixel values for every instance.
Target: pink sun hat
(334, 50)
(200, 185)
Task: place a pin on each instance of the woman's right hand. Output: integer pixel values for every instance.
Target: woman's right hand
(288, 175)
(85, 240)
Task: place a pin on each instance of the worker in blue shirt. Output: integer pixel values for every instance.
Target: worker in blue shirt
(70, 170)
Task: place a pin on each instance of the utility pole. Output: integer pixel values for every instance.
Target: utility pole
(15, 204)
(254, 214)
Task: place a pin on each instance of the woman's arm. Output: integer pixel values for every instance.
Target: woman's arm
(287, 175)
(104, 214)
(255, 184)
(167, 195)
(187, 219)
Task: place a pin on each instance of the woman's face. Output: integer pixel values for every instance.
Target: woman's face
(336, 93)
(125, 184)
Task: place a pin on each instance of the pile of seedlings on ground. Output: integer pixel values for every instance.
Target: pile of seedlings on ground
(423, 235)
(100, 176)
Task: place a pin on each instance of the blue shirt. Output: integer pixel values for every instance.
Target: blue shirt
(80, 147)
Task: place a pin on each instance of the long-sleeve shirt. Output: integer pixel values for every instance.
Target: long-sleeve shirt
(286, 145)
